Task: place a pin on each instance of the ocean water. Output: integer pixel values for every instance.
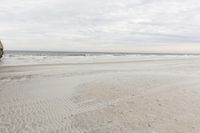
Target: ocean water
(11, 58)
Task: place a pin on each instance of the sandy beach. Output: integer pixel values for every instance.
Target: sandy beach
(147, 96)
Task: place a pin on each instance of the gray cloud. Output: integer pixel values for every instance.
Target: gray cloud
(98, 25)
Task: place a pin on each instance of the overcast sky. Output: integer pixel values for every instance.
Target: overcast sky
(101, 25)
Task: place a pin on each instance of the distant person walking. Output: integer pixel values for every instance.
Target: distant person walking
(1, 49)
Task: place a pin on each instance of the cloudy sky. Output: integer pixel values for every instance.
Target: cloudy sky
(101, 25)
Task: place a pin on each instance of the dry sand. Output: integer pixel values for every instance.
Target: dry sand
(158, 96)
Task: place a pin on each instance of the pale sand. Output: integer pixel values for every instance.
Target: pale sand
(160, 96)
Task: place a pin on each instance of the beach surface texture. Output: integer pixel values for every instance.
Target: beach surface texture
(141, 96)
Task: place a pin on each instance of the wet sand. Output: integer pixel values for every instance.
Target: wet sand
(153, 96)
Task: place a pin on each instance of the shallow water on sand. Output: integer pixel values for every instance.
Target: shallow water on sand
(12, 58)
